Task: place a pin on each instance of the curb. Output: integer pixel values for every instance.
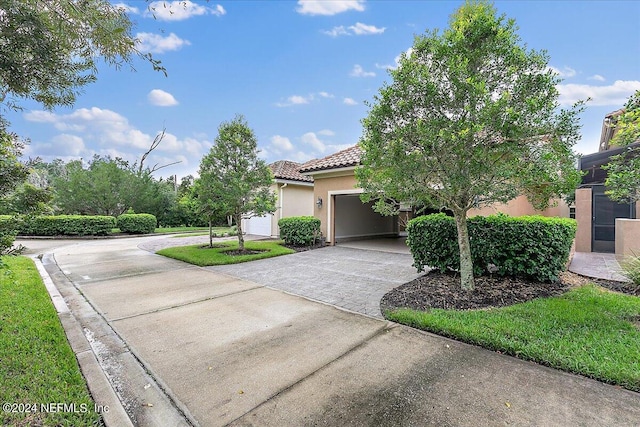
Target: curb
(115, 376)
(99, 386)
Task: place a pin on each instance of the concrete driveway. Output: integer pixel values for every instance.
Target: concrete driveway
(183, 345)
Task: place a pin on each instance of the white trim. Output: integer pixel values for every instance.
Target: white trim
(330, 194)
(330, 171)
(293, 182)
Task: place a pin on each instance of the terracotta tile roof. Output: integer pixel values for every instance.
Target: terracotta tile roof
(286, 169)
(341, 159)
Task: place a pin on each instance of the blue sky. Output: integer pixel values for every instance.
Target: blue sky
(300, 73)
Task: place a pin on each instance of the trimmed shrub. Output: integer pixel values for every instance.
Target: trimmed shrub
(532, 247)
(300, 230)
(9, 226)
(67, 225)
(137, 223)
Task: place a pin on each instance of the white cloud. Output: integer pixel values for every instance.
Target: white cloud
(597, 77)
(180, 10)
(337, 31)
(349, 101)
(128, 9)
(564, 72)
(161, 98)
(295, 100)
(324, 7)
(311, 139)
(325, 95)
(281, 143)
(358, 71)
(67, 145)
(155, 43)
(40, 116)
(326, 132)
(359, 29)
(614, 95)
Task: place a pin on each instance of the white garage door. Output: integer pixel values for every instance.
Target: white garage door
(258, 225)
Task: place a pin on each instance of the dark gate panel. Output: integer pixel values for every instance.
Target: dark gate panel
(605, 211)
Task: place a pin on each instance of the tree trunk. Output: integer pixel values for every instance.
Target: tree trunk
(466, 262)
(210, 232)
(238, 219)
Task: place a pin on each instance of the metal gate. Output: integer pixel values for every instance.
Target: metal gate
(604, 214)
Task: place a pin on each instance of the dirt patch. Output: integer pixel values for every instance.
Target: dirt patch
(214, 246)
(237, 252)
(442, 290)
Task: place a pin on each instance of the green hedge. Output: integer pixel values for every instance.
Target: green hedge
(137, 223)
(532, 247)
(300, 230)
(67, 225)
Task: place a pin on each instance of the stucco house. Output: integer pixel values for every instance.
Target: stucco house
(294, 193)
(344, 216)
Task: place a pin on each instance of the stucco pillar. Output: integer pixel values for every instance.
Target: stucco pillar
(583, 217)
(627, 237)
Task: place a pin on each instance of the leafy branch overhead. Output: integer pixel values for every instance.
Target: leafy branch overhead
(52, 48)
(470, 118)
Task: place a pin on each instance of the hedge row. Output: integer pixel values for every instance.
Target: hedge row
(300, 230)
(532, 247)
(66, 225)
(137, 223)
(78, 225)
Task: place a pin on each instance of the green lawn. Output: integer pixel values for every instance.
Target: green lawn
(37, 365)
(203, 256)
(588, 331)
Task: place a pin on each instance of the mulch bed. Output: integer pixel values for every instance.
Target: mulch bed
(304, 248)
(442, 290)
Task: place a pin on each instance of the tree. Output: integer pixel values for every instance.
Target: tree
(233, 180)
(50, 48)
(623, 170)
(469, 119)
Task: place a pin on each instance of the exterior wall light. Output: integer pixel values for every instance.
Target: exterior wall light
(319, 202)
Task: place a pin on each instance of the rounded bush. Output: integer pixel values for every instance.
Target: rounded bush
(300, 230)
(137, 223)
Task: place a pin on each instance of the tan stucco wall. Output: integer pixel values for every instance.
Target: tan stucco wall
(321, 188)
(293, 200)
(627, 237)
(520, 206)
(583, 218)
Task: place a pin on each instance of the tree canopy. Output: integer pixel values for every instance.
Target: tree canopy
(233, 180)
(470, 118)
(623, 170)
(50, 48)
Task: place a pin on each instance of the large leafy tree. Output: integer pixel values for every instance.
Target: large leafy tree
(623, 170)
(50, 49)
(470, 118)
(233, 180)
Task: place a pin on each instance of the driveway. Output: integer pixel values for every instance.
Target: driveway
(349, 278)
(183, 345)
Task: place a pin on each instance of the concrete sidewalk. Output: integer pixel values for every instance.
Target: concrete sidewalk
(218, 350)
(597, 265)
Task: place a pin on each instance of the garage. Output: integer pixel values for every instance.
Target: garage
(258, 225)
(355, 220)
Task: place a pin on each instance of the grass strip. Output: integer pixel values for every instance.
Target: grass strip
(589, 331)
(204, 256)
(37, 366)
